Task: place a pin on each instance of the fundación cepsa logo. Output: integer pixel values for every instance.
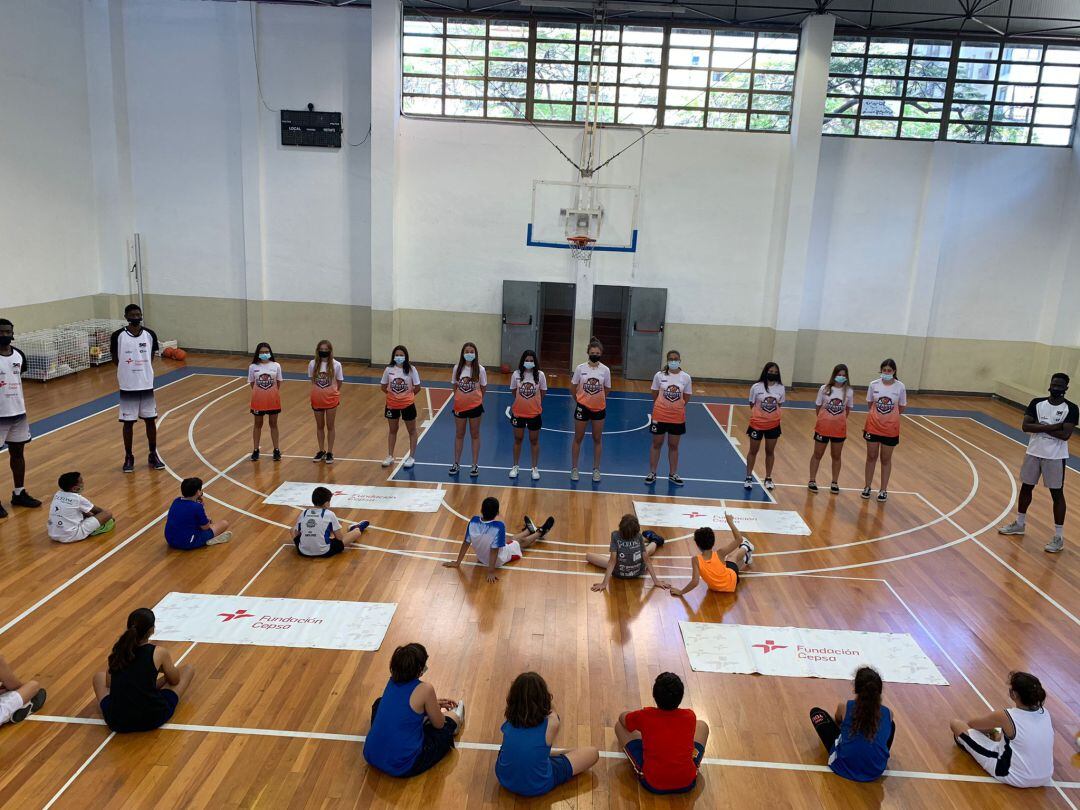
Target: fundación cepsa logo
(770, 645)
(808, 653)
(269, 622)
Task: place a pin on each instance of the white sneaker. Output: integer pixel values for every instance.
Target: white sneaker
(748, 552)
(224, 537)
(1012, 528)
(574, 474)
(596, 475)
(409, 461)
(514, 471)
(389, 460)
(535, 474)
(459, 714)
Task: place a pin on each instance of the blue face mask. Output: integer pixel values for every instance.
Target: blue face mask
(399, 359)
(886, 376)
(264, 355)
(840, 379)
(674, 364)
(470, 356)
(529, 364)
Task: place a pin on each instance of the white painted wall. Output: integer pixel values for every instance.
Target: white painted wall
(48, 240)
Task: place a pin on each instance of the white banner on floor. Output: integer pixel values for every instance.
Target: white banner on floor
(799, 652)
(692, 516)
(346, 496)
(265, 622)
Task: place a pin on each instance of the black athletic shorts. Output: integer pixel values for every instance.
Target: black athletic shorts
(472, 413)
(887, 441)
(771, 433)
(583, 414)
(733, 567)
(407, 413)
(526, 422)
(335, 547)
(267, 413)
(672, 428)
(826, 439)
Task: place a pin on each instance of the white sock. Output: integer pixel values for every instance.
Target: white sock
(1021, 519)
(1059, 530)
(18, 491)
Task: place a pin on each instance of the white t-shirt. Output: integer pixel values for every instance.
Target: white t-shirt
(592, 383)
(484, 536)
(135, 359)
(1043, 445)
(265, 374)
(12, 368)
(316, 528)
(400, 387)
(670, 405)
(67, 512)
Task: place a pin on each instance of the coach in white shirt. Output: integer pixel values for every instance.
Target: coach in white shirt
(133, 349)
(14, 426)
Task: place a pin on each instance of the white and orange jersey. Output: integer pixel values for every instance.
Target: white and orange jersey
(591, 383)
(885, 401)
(265, 381)
(400, 386)
(834, 401)
(12, 367)
(526, 393)
(765, 403)
(670, 405)
(467, 387)
(326, 387)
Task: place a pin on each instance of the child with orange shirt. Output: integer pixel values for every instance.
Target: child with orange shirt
(529, 386)
(834, 402)
(326, 378)
(719, 569)
(592, 381)
(469, 380)
(766, 399)
(671, 389)
(886, 398)
(400, 382)
(264, 377)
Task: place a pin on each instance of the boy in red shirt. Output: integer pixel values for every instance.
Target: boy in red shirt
(665, 745)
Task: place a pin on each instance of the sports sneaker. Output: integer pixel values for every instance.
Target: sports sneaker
(574, 474)
(386, 462)
(865, 495)
(812, 486)
(155, 462)
(105, 528)
(277, 454)
(255, 455)
(749, 482)
(650, 478)
(675, 479)
(454, 469)
(1012, 528)
(319, 456)
(362, 526)
(328, 458)
(224, 537)
(514, 471)
(530, 527)
(834, 488)
(748, 547)
(768, 483)
(882, 496)
(129, 464)
(459, 715)
(474, 471)
(595, 474)
(409, 462)
(548, 525)
(535, 474)
(1055, 545)
(653, 537)
(3, 511)
(24, 498)
(35, 704)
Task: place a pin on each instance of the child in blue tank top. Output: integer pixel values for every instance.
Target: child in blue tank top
(525, 765)
(859, 738)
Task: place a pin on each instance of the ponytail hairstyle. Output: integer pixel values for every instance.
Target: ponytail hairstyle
(594, 343)
(406, 367)
(888, 362)
(629, 528)
(319, 361)
(664, 368)
(832, 378)
(867, 702)
(462, 362)
(528, 702)
(1027, 689)
(525, 355)
(139, 626)
(765, 373)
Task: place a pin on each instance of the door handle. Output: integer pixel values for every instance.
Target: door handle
(648, 331)
(517, 323)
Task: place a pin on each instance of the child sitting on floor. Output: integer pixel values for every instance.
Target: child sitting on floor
(486, 533)
(719, 569)
(317, 532)
(72, 517)
(860, 735)
(629, 556)
(18, 698)
(187, 526)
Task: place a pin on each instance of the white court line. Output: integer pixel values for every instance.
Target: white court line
(420, 438)
(77, 773)
(735, 446)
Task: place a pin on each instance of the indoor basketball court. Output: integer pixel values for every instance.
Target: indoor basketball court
(763, 197)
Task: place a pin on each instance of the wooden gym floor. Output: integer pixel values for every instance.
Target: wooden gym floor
(274, 727)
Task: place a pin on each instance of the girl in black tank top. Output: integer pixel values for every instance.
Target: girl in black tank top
(128, 693)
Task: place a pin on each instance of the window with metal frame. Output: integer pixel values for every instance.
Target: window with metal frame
(646, 75)
(928, 88)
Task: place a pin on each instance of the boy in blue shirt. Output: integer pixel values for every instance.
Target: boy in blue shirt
(486, 533)
(187, 525)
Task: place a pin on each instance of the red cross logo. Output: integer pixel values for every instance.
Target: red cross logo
(240, 614)
(129, 361)
(770, 645)
(694, 514)
(338, 492)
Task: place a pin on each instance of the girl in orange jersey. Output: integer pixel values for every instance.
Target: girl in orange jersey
(326, 379)
(672, 388)
(529, 387)
(886, 398)
(264, 376)
(592, 381)
(469, 380)
(400, 382)
(834, 402)
(766, 399)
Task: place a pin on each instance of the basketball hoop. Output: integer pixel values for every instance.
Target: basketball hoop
(581, 247)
